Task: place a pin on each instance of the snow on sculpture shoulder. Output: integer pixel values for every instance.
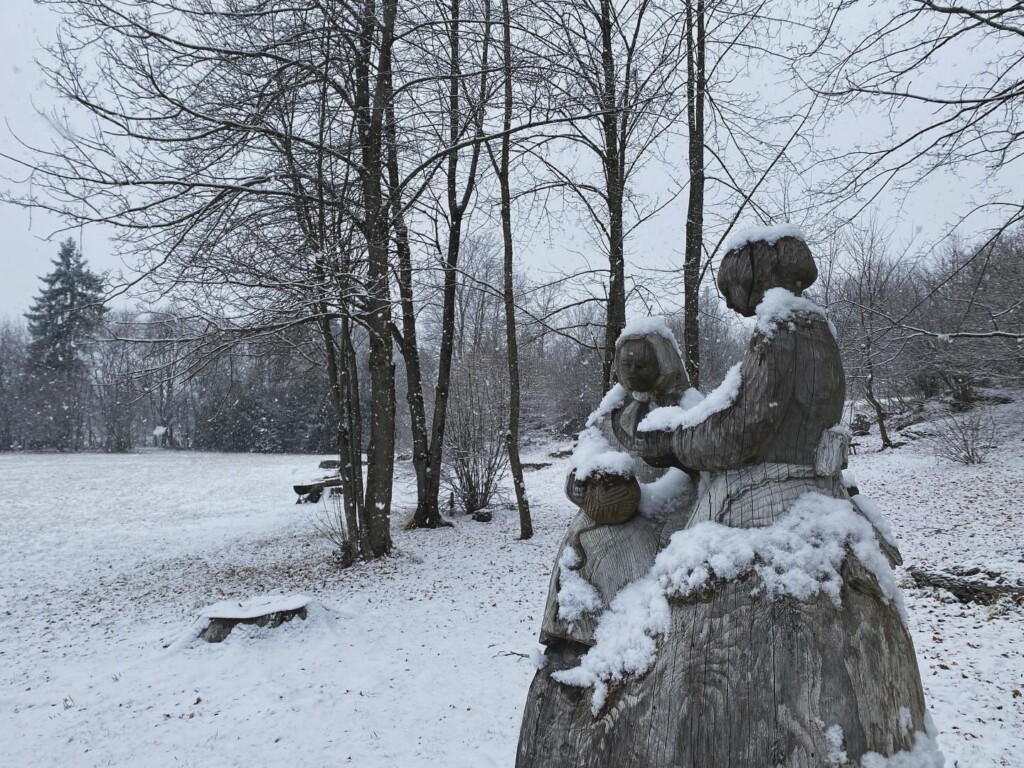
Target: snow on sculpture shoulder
(780, 307)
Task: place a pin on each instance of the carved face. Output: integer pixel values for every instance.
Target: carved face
(636, 364)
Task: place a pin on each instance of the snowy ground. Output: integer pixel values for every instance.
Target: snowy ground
(418, 660)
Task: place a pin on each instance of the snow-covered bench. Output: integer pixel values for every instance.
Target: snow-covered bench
(312, 491)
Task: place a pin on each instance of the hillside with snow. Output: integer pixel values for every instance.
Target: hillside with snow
(421, 659)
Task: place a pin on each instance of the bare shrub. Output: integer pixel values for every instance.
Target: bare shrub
(332, 524)
(967, 438)
(476, 457)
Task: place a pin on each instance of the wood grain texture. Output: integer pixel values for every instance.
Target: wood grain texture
(746, 273)
(616, 556)
(741, 680)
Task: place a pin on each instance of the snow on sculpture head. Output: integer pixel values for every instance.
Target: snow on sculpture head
(753, 267)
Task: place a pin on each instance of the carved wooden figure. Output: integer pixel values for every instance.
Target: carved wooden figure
(781, 641)
(613, 542)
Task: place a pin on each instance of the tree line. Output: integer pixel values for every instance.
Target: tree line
(307, 182)
(77, 375)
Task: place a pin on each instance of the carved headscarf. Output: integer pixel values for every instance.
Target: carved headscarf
(750, 270)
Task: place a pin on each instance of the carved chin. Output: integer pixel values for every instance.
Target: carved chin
(640, 384)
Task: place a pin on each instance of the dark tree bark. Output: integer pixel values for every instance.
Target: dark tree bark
(614, 173)
(511, 341)
(696, 89)
(408, 340)
(373, 93)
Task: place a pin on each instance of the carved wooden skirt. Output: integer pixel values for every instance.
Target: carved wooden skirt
(743, 680)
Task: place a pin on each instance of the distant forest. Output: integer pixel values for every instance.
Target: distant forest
(77, 376)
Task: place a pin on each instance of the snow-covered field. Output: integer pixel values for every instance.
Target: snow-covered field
(418, 660)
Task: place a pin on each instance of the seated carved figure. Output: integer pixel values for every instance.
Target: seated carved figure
(766, 629)
(626, 504)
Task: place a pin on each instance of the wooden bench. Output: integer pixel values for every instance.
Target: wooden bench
(310, 493)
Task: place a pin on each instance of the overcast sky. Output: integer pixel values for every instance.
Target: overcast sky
(25, 252)
(28, 240)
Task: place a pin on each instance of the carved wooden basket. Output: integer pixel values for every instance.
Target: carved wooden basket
(611, 499)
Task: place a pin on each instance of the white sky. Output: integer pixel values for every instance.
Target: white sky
(25, 252)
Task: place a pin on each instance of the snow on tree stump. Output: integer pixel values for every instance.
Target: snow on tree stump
(259, 612)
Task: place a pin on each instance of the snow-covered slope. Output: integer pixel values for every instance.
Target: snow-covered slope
(419, 660)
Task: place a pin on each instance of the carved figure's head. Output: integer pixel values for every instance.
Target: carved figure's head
(649, 363)
(755, 267)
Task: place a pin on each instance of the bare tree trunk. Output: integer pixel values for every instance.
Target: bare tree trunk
(351, 492)
(352, 458)
(408, 343)
(615, 313)
(880, 415)
(428, 513)
(373, 94)
(696, 87)
(512, 343)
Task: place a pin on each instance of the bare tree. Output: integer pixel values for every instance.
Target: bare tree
(234, 151)
(738, 142)
(503, 170)
(616, 61)
(872, 280)
(949, 76)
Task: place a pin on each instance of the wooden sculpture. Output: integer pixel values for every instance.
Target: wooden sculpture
(767, 630)
(610, 543)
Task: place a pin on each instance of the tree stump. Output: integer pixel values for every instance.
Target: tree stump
(259, 612)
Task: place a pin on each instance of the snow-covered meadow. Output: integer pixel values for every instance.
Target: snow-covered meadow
(418, 660)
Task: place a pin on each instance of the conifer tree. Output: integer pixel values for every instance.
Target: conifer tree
(67, 311)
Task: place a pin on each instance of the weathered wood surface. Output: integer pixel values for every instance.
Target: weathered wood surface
(972, 588)
(741, 680)
(615, 556)
(741, 683)
(220, 627)
(747, 273)
(792, 389)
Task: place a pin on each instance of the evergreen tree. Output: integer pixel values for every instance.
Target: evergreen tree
(68, 310)
(13, 344)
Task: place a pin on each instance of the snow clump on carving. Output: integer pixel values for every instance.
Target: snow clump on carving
(672, 417)
(800, 556)
(770, 234)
